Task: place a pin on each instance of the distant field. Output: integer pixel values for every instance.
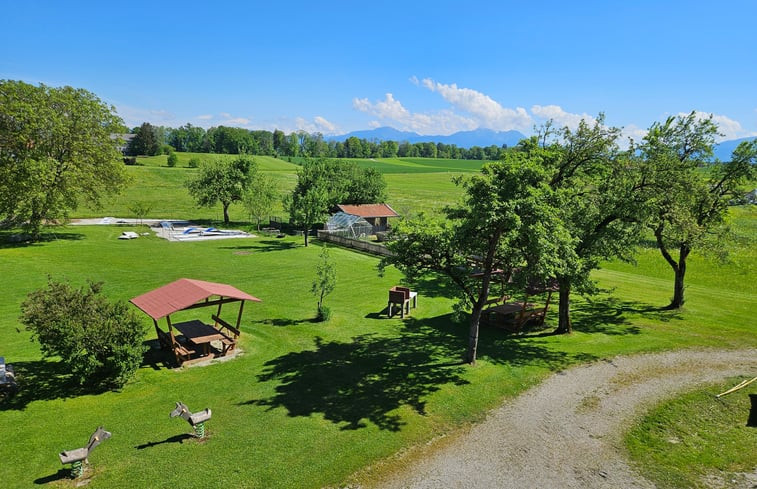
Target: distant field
(413, 186)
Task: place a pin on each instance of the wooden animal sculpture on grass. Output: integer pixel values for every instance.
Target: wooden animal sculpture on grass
(196, 420)
(80, 456)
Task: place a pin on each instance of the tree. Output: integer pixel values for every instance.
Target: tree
(56, 152)
(140, 210)
(99, 341)
(145, 141)
(688, 195)
(224, 181)
(333, 182)
(307, 207)
(261, 197)
(507, 219)
(324, 282)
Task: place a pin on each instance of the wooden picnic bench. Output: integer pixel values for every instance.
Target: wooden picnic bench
(229, 340)
(401, 296)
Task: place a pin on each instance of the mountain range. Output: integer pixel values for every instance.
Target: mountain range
(462, 139)
(484, 137)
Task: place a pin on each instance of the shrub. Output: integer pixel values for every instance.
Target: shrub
(130, 160)
(324, 313)
(193, 162)
(172, 159)
(99, 341)
(166, 149)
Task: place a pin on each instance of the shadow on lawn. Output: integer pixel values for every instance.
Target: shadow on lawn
(171, 439)
(265, 245)
(60, 475)
(609, 315)
(10, 239)
(368, 378)
(40, 380)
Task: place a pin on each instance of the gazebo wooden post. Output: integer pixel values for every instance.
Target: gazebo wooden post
(170, 335)
(239, 316)
(218, 311)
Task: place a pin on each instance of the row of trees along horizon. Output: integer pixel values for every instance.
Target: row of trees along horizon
(150, 140)
(554, 206)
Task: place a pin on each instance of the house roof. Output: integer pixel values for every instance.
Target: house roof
(368, 210)
(183, 293)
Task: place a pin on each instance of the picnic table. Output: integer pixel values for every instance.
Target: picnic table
(199, 333)
(513, 313)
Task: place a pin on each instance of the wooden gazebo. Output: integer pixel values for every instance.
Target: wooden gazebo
(197, 340)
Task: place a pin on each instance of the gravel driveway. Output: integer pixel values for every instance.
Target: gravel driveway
(567, 431)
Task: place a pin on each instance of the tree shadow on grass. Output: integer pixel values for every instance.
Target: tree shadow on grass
(368, 378)
(14, 239)
(40, 380)
(266, 245)
(283, 322)
(609, 315)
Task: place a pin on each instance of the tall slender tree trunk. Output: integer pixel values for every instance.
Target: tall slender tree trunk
(564, 325)
(680, 274)
(305, 233)
(475, 323)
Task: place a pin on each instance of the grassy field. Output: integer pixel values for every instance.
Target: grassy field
(311, 404)
(673, 450)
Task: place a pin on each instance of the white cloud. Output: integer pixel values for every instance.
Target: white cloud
(731, 129)
(204, 117)
(437, 123)
(225, 115)
(374, 124)
(632, 131)
(560, 116)
(485, 110)
(236, 121)
(414, 80)
(324, 125)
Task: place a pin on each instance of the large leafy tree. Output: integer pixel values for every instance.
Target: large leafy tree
(56, 152)
(100, 341)
(146, 141)
(224, 181)
(507, 219)
(689, 195)
(599, 196)
(261, 197)
(324, 183)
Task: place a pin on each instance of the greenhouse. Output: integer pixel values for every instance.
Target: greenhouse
(349, 226)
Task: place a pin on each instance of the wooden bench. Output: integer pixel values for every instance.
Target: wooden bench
(230, 337)
(170, 342)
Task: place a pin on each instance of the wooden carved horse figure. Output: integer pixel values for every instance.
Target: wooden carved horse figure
(196, 420)
(76, 457)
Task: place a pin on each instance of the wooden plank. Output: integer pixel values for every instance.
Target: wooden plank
(225, 325)
(211, 303)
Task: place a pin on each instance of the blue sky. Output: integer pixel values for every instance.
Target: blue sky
(429, 67)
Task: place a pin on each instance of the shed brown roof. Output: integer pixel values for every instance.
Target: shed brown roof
(368, 210)
(183, 293)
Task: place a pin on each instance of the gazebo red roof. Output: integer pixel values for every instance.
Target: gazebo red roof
(368, 210)
(183, 293)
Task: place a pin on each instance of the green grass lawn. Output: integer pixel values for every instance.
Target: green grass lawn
(696, 440)
(310, 404)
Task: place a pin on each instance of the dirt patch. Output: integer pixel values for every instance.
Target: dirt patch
(567, 431)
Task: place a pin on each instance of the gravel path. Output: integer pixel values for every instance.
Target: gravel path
(566, 432)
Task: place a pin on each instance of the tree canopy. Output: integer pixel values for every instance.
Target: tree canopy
(689, 195)
(224, 181)
(99, 341)
(323, 183)
(507, 219)
(56, 151)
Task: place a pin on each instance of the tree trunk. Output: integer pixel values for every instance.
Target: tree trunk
(680, 274)
(305, 233)
(564, 325)
(226, 213)
(475, 321)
